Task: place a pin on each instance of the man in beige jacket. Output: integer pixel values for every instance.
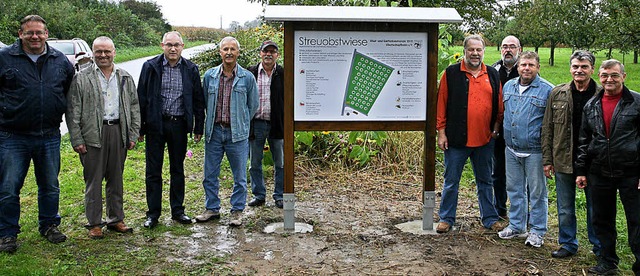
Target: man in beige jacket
(103, 117)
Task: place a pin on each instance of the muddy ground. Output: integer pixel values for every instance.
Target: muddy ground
(354, 217)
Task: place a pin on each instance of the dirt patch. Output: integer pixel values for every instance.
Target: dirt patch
(354, 218)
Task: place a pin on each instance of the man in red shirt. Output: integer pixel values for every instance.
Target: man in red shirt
(608, 160)
(469, 114)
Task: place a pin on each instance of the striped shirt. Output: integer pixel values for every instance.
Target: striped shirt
(223, 110)
(264, 89)
(171, 89)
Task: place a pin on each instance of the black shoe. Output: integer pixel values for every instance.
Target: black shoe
(279, 203)
(562, 253)
(602, 269)
(256, 202)
(54, 235)
(182, 218)
(150, 222)
(8, 244)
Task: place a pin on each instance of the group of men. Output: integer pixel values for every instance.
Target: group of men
(517, 129)
(107, 115)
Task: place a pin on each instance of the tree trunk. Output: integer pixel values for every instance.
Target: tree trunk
(537, 47)
(609, 53)
(551, 55)
(635, 56)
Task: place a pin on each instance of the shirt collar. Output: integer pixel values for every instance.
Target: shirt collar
(260, 67)
(483, 68)
(235, 70)
(165, 62)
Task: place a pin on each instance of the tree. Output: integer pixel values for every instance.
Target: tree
(582, 31)
(543, 21)
(149, 12)
(619, 26)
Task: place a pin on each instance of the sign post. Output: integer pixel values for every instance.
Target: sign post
(358, 69)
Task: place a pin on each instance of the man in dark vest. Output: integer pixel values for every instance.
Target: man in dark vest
(469, 115)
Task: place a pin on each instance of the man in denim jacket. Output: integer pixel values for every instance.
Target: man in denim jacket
(231, 97)
(525, 99)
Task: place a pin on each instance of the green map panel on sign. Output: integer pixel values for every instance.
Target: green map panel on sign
(367, 77)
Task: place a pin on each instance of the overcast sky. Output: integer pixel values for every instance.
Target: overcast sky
(207, 13)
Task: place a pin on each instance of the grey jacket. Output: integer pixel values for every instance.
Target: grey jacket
(86, 108)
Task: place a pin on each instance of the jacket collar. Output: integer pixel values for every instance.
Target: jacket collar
(16, 49)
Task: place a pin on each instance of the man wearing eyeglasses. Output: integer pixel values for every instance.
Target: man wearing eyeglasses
(560, 129)
(104, 122)
(608, 162)
(267, 124)
(171, 106)
(507, 69)
(34, 81)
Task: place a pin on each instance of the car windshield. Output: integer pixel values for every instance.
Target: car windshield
(64, 47)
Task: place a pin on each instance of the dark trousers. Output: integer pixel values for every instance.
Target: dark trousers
(604, 191)
(499, 178)
(106, 162)
(175, 136)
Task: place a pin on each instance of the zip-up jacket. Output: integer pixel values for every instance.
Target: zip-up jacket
(86, 108)
(149, 94)
(33, 94)
(616, 155)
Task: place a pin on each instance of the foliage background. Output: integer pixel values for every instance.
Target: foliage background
(128, 23)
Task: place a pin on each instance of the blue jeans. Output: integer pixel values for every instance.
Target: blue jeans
(16, 152)
(454, 161)
(567, 225)
(237, 154)
(526, 174)
(261, 132)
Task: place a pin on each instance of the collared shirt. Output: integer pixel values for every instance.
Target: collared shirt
(223, 110)
(478, 110)
(264, 90)
(110, 94)
(171, 89)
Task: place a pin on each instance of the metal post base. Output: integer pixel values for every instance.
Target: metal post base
(289, 201)
(427, 210)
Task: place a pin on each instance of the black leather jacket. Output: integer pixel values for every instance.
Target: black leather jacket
(619, 154)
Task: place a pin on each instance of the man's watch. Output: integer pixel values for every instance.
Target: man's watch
(497, 133)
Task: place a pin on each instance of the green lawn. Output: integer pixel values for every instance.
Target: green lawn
(559, 73)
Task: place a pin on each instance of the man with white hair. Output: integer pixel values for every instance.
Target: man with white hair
(103, 117)
(231, 97)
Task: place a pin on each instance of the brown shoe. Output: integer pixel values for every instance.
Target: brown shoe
(95, 233)
(443, 227)
(499, 225)
(120, 227)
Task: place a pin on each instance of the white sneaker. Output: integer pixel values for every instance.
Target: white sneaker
(508, 233)
(235, 219)
(534, 240)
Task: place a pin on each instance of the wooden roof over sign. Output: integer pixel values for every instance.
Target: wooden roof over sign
(361, 14)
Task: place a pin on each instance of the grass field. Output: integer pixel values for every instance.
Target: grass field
(559, 73)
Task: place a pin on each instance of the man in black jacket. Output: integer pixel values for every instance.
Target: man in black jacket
(34, 80)
(507, 68)
(171, 106)
(267, 124)
(608, 158)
